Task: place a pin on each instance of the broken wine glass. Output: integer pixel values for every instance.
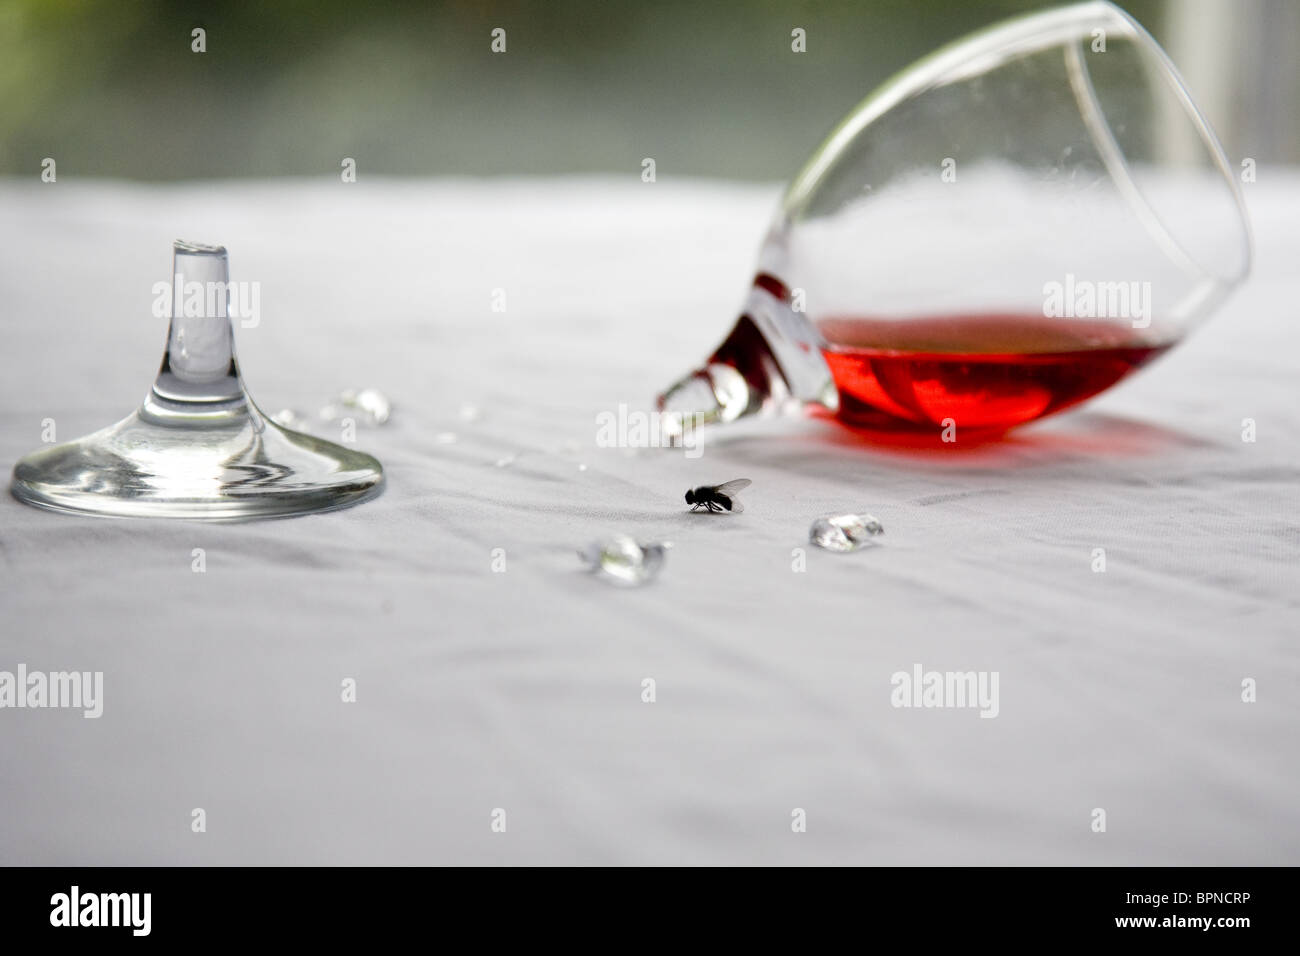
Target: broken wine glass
(1008, 227)
(197, 447)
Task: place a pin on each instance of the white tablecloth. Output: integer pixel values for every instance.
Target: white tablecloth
(522, 690)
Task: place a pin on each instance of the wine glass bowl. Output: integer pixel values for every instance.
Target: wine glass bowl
(1006, 228)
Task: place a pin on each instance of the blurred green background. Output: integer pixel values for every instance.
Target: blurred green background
(406, 88)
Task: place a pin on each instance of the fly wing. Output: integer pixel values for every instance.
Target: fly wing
(730, 488)
(735, 506)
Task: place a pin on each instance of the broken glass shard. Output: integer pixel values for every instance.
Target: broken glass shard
(625, 561)
(847, 532)
(369, 405)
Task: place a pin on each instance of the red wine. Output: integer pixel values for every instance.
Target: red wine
(980, 371)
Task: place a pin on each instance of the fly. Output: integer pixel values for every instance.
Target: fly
(717, 498)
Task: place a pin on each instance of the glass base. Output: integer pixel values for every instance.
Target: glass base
(238, 465)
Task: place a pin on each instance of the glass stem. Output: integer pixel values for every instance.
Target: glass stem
(770, 358)
(199, 378)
